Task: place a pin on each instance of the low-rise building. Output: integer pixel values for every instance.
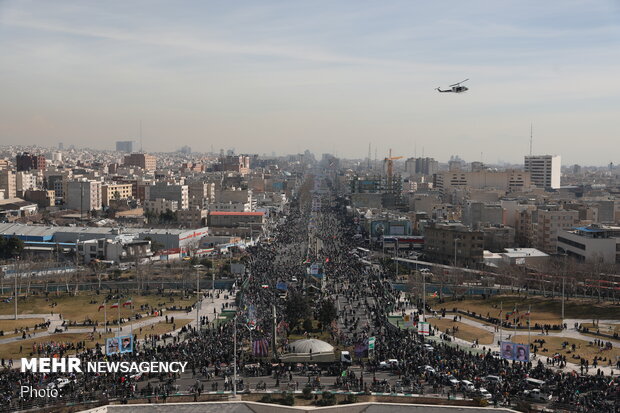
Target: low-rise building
(447, 242)
(115, 191)
(13, 208)
(192, 217)
(595, 243)
(117, 250)
(43, 198)
(159, 206)
(142, 160)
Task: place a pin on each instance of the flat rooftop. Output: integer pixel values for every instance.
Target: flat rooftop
(523, 252)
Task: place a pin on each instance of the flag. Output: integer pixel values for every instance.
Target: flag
(115, 305)
(527, 313)
(500, 313)
(344, 373)
(100, 307)
(326, 259)
(128, 302)
(260, 347)
(433, 295)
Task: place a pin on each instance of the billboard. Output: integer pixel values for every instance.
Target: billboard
(116, 345)
(424, 329)
(111, 346)
(407, 321)
(514, 351)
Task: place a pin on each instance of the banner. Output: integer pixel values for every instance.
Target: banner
(514, 351)
(407, 321)
(116, 345)
(371, 343)
(260, 347)
(522, 352)
(126, 344)
(315, 269)
(111, 346)
(424, 329)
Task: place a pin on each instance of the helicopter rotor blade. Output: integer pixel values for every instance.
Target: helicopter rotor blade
(462, 81)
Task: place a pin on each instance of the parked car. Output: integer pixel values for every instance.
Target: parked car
(493, 379)
(430, 369)
(468, 385)
(484, 393)
(537, 395)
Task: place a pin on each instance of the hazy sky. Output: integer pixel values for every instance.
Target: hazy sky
(331, 76)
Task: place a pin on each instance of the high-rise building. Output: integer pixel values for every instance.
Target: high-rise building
(143, 160)
(125, 146)
(545, 170)
(83, 196)
(421, 166)
(509, 180)
(26, 162)
(550, 222)
(8, 183)
(25, 181)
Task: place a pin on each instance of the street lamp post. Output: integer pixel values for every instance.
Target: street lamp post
(455, 241)
(235, 357)
(197, 301)
(396, 243)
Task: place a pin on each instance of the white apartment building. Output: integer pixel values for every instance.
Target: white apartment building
(8, 183)
(25, 181)
(545, 170)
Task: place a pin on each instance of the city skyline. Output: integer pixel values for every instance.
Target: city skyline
(282, 77)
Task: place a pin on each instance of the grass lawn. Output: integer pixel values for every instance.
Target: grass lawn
(85, 305)
(544, 310)
(11, 350)
(604, 328)
(466, 332)
(159, 328)
(9, 326)
(584, 349)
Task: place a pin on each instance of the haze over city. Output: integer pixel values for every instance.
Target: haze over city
(281, 76)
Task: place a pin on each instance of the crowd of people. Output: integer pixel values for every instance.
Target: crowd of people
(364, 299)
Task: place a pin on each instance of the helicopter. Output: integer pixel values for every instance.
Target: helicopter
(456, 88)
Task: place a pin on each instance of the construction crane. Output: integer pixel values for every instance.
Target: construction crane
(390, 169)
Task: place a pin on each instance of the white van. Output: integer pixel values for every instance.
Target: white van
(493, 379)
(535, 383)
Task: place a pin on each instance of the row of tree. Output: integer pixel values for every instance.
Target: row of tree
(10, 247)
